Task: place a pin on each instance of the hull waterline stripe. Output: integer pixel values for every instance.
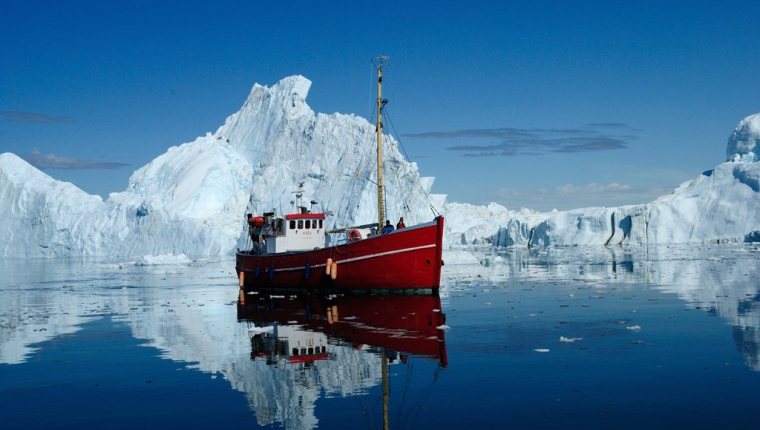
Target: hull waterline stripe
(363, 257)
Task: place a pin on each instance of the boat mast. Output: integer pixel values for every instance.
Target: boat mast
(386, 389)
(379, 129)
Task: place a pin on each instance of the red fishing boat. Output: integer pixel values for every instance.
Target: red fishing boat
(295, 251)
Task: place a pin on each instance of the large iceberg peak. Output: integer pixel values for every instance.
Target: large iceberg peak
(191, 200)
(269, 118)
(296, 84)
(743, 141)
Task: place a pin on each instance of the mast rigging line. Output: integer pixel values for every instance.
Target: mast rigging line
(384, 114)
(384, 61)
(350, 189)
(403, 150)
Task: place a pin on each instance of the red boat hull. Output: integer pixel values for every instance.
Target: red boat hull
(408, 258)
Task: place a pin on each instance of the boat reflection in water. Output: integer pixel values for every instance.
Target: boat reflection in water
(301, 330)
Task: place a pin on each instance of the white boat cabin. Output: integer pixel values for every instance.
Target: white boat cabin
(295, 344)
(295, 232)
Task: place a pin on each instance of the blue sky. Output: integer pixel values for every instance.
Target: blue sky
(539, 104)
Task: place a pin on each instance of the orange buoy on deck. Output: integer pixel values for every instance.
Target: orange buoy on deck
(354, 235)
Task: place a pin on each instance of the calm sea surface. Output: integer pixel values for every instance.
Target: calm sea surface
(560, 338)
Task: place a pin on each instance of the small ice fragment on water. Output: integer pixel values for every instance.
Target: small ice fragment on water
(531, 315)
(633, 328)
(436, 310)
(443, 327)
(154, 260)
(541, 349)
(564, 339)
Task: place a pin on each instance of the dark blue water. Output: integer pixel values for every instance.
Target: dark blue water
(576, 338)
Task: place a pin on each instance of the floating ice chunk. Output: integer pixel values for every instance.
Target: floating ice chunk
(443, 327)
(564, 339)
(633, 328)
(155, 260)
(542, 350)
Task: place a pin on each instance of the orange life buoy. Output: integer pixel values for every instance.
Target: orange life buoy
(354, 235)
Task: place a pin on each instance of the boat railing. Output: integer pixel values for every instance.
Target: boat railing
(356, 227)
(339, 236)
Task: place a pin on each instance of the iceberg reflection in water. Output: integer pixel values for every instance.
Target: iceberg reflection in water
(627, 337)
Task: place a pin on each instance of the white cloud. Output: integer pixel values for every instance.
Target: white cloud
(593, 187)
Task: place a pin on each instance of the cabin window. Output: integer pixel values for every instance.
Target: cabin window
(324, 349)
(308, 224)
(303, 351)
(311, 351)
(300, 224)
(314, 224)
(292, 224)
(295, 351)
(278, 228)
(320, 223)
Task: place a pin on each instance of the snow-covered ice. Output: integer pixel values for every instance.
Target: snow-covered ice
(191, 199)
